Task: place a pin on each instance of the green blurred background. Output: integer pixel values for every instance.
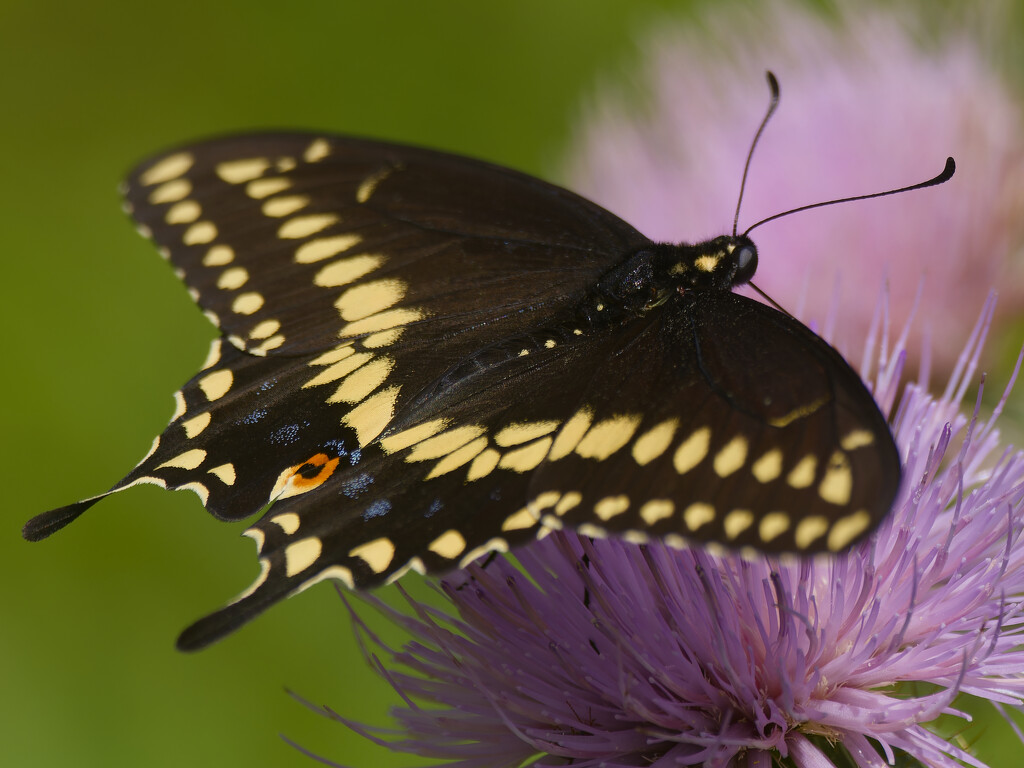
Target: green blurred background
(100, 333)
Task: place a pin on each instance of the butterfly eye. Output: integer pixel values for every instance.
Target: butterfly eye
(746, 263)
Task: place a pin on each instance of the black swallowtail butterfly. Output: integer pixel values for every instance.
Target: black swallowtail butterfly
(425, 358)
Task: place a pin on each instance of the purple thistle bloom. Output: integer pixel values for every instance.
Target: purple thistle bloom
(606, 653)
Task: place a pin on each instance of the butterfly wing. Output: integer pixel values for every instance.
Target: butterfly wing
(404, 380)
(293, 242)
(325, 257)
(725, 421)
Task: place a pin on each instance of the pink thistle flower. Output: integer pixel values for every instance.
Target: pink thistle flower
(605, 653)
(866, 106)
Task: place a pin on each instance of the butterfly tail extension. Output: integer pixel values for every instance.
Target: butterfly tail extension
(46, 524)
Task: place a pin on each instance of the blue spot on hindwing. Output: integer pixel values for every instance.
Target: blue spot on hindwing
(377, 509)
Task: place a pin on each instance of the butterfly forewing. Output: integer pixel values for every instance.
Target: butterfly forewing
(419, 364)
(293, 242)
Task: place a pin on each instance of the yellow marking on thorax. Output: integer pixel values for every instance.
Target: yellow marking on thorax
(241, 171)
(345, 271)
(171, 167)
(802, 475)
(607, 436)
(692, 450)
(170, 192)
(371, 416)
(708, 262)
(217, 384)
(184, 212)
(448, 545)
(303, 226)
(654, 442)
(377, 554)
(186, 460)
(196, 425)
(523, 432)
(731, 457)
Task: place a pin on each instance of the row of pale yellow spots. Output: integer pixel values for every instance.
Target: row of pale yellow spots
(369, 309)
(366, 308)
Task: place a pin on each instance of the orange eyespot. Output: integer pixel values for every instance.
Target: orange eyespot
(304, 477)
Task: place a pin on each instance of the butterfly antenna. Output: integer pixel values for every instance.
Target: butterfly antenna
(773, 84)
(942, 178)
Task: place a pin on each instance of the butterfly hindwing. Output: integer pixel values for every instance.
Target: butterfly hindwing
(770, 441)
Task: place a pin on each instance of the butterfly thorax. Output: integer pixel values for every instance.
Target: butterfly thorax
(648, 277)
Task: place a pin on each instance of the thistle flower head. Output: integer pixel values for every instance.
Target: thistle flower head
(605, 653)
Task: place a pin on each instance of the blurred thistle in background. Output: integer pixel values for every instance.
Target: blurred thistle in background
(603, 653)
(871, 100)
